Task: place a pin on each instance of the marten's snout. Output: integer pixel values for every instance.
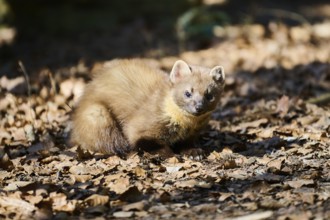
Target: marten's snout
(199, 106)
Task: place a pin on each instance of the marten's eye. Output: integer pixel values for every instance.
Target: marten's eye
(209, 97)
(187, 94)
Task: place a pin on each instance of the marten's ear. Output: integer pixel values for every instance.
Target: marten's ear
(180, 68)
(218, 74)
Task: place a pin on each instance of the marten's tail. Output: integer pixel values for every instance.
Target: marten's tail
(96, 129)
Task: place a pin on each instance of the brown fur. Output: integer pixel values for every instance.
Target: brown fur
(131, 106)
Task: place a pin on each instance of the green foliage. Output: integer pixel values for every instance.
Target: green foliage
(199, 22)
(4, 10)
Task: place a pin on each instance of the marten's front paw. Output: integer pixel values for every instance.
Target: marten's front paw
(195, 153)
(154, 148)
(166, 152)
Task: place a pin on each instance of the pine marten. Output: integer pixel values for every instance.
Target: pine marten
(130, 106)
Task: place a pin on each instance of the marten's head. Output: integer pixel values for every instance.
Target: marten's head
(195, 89)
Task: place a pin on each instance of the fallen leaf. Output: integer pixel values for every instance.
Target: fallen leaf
(172, 160)
(17, 205)
(123, 214)
(224, 196)
(81, 178)
(283, 105)
(308, 198)
(299, 183)
(61, 203)
(97, 199)
(165, 197)
(120, 185)
(214, 156)
(205, 208)
(136, 206)
(140, 172)
(270, 203)
(255, 216)
(131, 195)
(16, 85)
(141, 214)
(238, 174)
(97, 210)
(4, 174)
(33, 199)
(173, 169)
(276, 163)
(16, 184)
(186, 183)
(302, 215)
(321, 30)
(271, 178)
(81, 169)
(252, 124)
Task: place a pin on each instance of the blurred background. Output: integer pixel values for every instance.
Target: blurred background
(57, 34)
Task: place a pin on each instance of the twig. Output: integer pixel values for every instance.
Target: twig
(52, 83)
(285, 14)
(67, 104)
(324, 98)
(27, 79)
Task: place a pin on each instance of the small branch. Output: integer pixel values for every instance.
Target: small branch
(285, 14)
(52, 83)
(324, 98)
(27, 79)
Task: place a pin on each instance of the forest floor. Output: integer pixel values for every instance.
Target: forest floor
(267, 143)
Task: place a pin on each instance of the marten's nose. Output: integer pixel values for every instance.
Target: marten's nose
(199, 106)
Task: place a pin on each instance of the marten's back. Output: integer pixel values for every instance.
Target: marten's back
(127, 86)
